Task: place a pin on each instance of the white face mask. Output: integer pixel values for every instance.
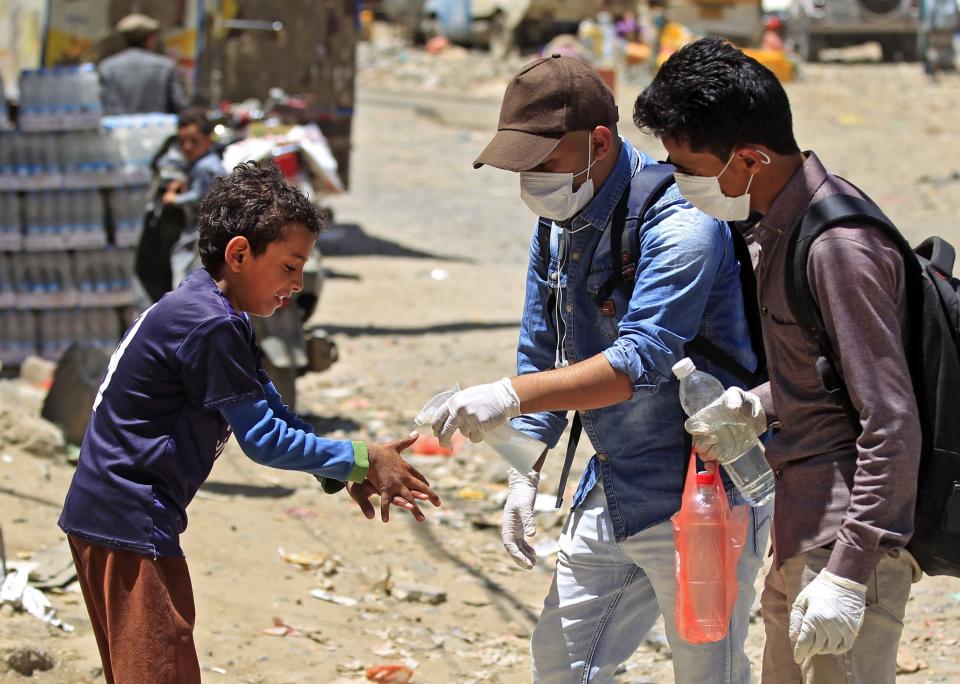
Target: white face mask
(551, 195)
(705, 194)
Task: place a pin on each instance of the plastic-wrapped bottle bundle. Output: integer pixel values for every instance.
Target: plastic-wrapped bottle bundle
(9, 220)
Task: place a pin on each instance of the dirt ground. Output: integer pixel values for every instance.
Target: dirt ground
(427, 262)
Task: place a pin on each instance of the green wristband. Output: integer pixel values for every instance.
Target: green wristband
(361, 463)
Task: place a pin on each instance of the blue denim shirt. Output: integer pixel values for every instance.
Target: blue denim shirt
(687, 283)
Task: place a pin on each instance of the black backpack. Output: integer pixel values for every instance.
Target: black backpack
(933, 355)
(653, 182)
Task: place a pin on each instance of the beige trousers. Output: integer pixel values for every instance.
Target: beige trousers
(873, 658)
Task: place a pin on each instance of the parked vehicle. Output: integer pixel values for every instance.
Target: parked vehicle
(741, 21)
(817, 24)
(503, 24)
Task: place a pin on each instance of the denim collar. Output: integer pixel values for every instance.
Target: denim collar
(597, 213)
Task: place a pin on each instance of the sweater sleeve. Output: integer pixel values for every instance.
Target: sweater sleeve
(267, 439)
(863, 318)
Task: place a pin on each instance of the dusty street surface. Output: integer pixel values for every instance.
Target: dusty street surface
(428, 261)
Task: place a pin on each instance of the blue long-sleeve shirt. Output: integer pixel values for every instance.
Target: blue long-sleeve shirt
(687, 283)
(272, 435)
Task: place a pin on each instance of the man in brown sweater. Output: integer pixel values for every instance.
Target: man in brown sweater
(834, 599)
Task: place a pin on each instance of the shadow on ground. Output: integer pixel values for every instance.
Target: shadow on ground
(349, 239)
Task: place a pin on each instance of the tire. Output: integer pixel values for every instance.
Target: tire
(809, 46)
(899, 48)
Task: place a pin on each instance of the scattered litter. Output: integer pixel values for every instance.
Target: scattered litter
(31, 600)
(851, 119)
(471, 494)
(307, 561)
(428, 445)
(350, 666)
(547, 548)
(418, 594)
(282, 629)
(356, 404)
(333, 598)
(436, 45)
(299, 512)
(390, 674)
(6, 458)
(439, 274)
(53, 567)
(217, 670)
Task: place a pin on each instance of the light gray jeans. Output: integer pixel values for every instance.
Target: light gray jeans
(873, 658)
(607, 595)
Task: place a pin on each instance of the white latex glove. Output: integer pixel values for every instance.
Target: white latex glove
(476, 410)
(518, 521)
(734, 406)
(826, 616)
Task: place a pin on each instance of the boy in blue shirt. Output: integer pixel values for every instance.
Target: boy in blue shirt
(185, 376)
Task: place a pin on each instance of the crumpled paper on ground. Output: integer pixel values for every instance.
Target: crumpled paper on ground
(17, 591)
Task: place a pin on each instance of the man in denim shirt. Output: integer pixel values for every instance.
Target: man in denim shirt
(615, 568)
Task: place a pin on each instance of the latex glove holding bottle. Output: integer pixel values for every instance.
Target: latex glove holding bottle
(518, 520)
(826, 616)
(476, 410)
(735, 406)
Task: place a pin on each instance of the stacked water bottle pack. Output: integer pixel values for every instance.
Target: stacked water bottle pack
(73, 187)
(59, 98)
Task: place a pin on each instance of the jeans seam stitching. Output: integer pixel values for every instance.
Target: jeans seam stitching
(588, 660)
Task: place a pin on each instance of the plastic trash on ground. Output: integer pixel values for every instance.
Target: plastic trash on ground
(708, 540)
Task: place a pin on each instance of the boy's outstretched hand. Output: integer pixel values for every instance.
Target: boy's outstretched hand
(396, 481)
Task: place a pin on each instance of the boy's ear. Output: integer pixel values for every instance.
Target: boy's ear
(237, 253)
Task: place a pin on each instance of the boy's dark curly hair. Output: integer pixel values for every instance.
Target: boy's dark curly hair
(255, 202)
(714, 98)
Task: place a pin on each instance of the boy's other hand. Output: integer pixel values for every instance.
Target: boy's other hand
(392, 477)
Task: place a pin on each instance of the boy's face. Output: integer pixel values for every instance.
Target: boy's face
(262, 284)
(194, 142)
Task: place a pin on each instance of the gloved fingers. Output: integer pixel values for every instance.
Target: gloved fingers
(528, 552)
(796, 619)
(806, 642)
(707, 446)
(695, 426)
(529, 521)
(519, 557)
(748, 406)
(733, 398)
(440, 419)
(445, 435)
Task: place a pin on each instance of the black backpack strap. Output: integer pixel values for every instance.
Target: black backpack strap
(831, 211)
(650, 184)
(575, 431)
(748, 286)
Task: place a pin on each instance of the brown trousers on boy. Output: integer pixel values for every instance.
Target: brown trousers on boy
(142, 614)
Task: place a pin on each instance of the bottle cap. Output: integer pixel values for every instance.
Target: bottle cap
(704, 478)
(683, 367)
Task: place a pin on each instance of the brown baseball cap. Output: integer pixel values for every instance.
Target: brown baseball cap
(548, 98)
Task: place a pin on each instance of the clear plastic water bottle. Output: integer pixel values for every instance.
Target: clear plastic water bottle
(704, 531)
(740, 452)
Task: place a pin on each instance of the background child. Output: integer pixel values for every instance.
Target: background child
(186, 374)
